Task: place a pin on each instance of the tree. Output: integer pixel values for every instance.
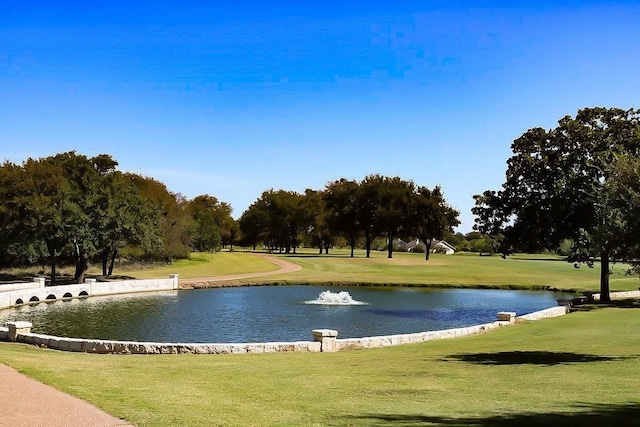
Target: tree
(276, 218)
(170, 214)
(315, 214)
(368, 197)
(205, 224)
(431, 216)
(341, 206)
(563, 184)
(37, 205)
(394, 203)
(123, 218)
(254, 224)
(490, 218)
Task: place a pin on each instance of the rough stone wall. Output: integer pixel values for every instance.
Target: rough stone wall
(543, 314)
(391, 340)
(131, 347)
(619, 295)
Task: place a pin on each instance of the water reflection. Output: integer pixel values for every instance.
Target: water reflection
(256, 314)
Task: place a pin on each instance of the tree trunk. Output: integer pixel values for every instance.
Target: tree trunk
(104, 257)
(604, 277)
(427, 248)
(368, 242)
(82, 264)
(52, 261)
(113, 261)
(389, 244)
(321, 244)
(326, 247)
(352, 242)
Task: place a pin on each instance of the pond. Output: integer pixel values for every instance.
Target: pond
(274, 313)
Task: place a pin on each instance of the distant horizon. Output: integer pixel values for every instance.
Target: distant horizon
(231, 100)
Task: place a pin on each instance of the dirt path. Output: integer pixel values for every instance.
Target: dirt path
(222, 281)
(28, 403)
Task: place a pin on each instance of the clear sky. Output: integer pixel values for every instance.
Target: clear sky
(233, 98)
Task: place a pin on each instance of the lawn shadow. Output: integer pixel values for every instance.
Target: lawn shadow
(525, 258)
(621, 303)
(317, 255)
(587, 415)
(546, 358)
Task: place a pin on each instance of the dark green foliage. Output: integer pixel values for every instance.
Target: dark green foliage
(378, 209)
(577, 181)
(83, 209)
(341, 210)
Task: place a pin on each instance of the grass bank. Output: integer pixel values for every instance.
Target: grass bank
(576, 370)
(206, 265)
(460, 270)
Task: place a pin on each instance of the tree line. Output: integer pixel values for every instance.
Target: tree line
(73, 208)
(350, 211)
(70, 208)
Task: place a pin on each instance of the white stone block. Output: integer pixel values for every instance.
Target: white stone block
(506, 316)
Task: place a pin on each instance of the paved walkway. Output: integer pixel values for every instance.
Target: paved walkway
(28, 403)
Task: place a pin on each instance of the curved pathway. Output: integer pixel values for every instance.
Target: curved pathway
(29, 403)
(285, 267)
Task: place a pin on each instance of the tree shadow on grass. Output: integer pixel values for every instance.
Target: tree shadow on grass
(621, 303)
(586, 415)
(327, 256)
(547, 358)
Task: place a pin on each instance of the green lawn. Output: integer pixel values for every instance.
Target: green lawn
(519, 271)
(580, 369)
(460, 270)
(206, 265)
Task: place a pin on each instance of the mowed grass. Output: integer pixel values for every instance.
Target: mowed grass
(206, 265)
(460, 270)
(580, 369)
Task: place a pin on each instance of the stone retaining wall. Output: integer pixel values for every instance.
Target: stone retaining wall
(619, 295)
(20, 294)
(38, 282)
(543, 314)
(324, 340)
(391, 340)
(130, 347)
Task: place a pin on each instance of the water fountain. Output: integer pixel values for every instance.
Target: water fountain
(335, 298)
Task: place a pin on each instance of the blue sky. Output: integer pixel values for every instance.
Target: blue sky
(231, 99)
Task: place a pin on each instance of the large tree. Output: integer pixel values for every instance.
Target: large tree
(315, 214)
(36, 206)
(561, 184)
(368, 196)
(342, 208)
(394, 208)
(431, 217)
(169, 211)
(276, 219)
(205, 224)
